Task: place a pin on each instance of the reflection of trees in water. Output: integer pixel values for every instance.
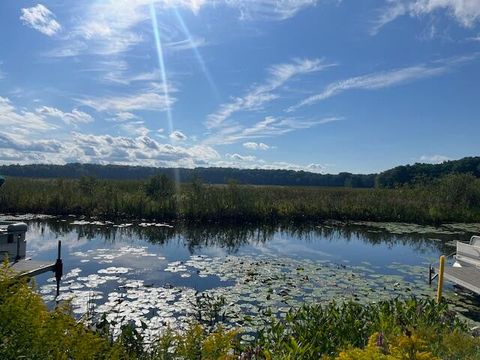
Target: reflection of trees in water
(232, 237)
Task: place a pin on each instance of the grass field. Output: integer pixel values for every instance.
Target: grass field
(453, 198)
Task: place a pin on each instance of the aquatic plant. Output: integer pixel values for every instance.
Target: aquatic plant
(453, 198)
(393, 329)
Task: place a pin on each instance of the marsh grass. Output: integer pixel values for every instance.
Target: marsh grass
(452, 198)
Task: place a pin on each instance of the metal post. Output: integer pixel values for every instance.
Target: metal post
(430, 274)
(440, 278)
(59, 267)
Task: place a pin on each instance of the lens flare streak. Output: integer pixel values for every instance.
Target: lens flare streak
(163, 73)
(196, 52)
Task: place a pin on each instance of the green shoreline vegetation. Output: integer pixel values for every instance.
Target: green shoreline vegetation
(387, 330)
(409, 329)
(452, 198)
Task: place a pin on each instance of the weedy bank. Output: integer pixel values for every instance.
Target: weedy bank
(412, 329)
(453, 198)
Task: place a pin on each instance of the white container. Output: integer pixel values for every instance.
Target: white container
(12, 240)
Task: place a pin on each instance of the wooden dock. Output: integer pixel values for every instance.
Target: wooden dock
(467, 277)
(31, 268)
(466, 270)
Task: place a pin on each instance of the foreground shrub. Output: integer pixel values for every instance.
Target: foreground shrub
(413, 329)
(403, 327)
(29, 330)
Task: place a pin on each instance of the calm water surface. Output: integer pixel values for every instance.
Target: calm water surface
(153, 274)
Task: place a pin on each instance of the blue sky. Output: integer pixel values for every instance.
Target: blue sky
(317, 85)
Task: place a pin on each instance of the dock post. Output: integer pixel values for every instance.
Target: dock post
(18, 257)
(59, 267)
(440, 278)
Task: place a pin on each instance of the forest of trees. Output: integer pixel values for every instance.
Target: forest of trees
(208, 175)
(426, 173)
(398, 176)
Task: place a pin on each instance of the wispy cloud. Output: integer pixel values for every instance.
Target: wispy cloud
(261, 94)
(124, 116)
(384, 79)
(256, 146)
(268, 127)
(128, 103)
(40, 18)
(186, 44)
(270, 9)
(466, 12)
(178, 136)
(252, 162)
(434, 159)
(114, 27)
(72, 118)
(475, 38)
(19, 121)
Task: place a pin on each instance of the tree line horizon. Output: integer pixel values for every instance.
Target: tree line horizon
(418, 173)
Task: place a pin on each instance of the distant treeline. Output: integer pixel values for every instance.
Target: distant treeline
(211, 175)
(398, 176)
(422, 174)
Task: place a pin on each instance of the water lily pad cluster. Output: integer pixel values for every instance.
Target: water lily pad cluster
(253, 287)
(107, 256)
(408, 228)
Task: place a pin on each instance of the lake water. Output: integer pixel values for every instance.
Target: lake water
(159, 275)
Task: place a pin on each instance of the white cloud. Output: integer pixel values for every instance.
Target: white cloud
(466, 12)
(127, 103)
(256, 146)
(178, 136)
(434, 159)
(262, 94)
(239, 157)
(383, 79)
(125, 116)
(73, 118)
(40, 18)
(8, 141)
(268, 127)
(251, 162)
(270, 9)
(20, 121)
(112, 27)
(136, 128)
(141, 150)
(186, 44)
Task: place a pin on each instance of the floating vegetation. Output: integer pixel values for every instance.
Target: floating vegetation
(398, 228)
(96, 223)
(408, 228)
(25, 217)
(144, 224)
(107, 256)
(250, 285)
